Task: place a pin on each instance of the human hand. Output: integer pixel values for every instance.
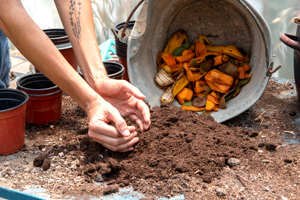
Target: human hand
(126, 98)
(120, 138)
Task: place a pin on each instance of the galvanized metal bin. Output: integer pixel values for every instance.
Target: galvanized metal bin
(225, 22)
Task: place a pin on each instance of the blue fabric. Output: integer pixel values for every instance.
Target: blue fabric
(5, 63)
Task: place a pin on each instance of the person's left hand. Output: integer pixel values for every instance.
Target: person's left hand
(126, 98)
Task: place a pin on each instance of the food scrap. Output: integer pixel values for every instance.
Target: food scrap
(201, 76)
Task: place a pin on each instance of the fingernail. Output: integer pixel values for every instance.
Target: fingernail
(131, 149)
(126, 132)
(136, 139)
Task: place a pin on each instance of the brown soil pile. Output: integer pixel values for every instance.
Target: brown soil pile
(177, 142)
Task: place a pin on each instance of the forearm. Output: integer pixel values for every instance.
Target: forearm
(77, 19)
(34, 44)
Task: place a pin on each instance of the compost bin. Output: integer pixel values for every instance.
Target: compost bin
(224, 22)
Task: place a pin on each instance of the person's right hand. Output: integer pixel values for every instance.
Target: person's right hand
(121, 139)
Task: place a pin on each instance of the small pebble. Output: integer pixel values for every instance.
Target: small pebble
(73, 167)
(51, 126)
(38, 161)
(6, 164)
(233, 162)
(61, 154)
(271, 146)
(220, 192)
(99, 178)
(253, 134)
(46, 164)
(205, 186)
(27, 169)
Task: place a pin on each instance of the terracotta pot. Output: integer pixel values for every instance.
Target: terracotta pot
(114, 70)
(61, 41)
(121, 48)
(12, 120)
(45, 99)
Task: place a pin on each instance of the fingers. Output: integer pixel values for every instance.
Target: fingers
(112, 115)
(141, 115)
(98, 126)
(120, 144)
(144, 110)
(127, 87)
(110, 138)
(138, 121)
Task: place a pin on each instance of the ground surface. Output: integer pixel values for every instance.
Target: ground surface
(253, 156)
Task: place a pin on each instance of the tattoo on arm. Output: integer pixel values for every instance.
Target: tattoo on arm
(75, 11)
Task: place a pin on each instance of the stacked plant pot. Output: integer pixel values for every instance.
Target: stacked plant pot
(121, 48)
(62, 43)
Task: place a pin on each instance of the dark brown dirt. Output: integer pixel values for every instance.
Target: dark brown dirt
(177, 142)
(247, 157)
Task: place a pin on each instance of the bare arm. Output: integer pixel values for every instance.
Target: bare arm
(34, 44)
(77, 19)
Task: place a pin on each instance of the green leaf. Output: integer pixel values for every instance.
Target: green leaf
(178, 51)
(229, 95)
(238, 86)
(194, 63)
(189, 103)
(243, 82)
(206, 113)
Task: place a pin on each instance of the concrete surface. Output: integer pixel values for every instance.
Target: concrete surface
(20, 67)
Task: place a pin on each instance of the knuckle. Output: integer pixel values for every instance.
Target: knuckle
(92, 126)
(91, 134)
(115, 144)
(114, 149)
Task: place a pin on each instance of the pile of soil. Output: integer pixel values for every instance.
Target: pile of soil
(177, 142)
(182, 153)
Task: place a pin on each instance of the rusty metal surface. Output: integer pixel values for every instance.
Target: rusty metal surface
(225, 22)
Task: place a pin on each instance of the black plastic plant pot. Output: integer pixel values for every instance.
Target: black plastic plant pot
(113, 70)
(121, 48)
(36, 84)
(61, 41)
